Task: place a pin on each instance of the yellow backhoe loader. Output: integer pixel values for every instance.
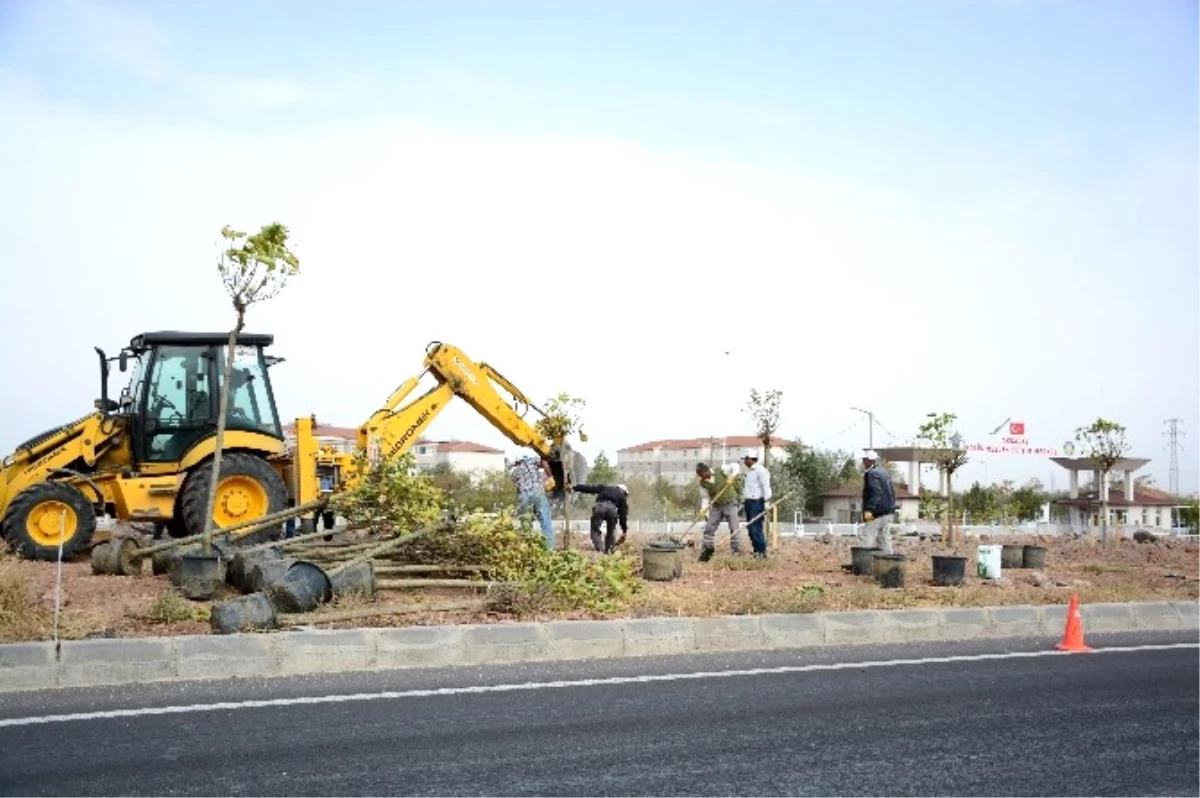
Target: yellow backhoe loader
(147, 456)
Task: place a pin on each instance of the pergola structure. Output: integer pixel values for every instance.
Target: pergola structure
(915, 457)
(1126, 466)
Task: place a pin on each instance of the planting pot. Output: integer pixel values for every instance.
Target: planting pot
(1012, 556)
(987, 561)
(198, 577)
(949, 569)
(358, 578)
(888, 570)
(303, 588)
(661, 563)
(861, 559)
(242, 614)
(1034, 557)
(242, 566)
(268, 572)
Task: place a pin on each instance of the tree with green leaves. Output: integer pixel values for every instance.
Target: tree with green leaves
(814, 472)
(1103, 442)
(764, 409)
(253, 268)
(945, 450)
(1189, 516)
(602, 471)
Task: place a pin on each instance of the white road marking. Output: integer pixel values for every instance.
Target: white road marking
(504, 688)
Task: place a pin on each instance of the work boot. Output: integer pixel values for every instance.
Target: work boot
(706, 555)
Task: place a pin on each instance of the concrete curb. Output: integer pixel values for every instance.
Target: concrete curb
(78, 663)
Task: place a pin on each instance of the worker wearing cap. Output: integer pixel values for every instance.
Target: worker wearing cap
(878, 503)
(756, 492)
(611, 508)
(720, 498)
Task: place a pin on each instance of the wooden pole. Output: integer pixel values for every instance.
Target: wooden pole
(308, 618)
(238, 530)
(380, 549)
(405, 584)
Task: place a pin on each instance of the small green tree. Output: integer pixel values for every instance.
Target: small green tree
(1103, 442)
(1189, 516)
(946, 452)
(764, 409)
(602, 472)
(253, 268)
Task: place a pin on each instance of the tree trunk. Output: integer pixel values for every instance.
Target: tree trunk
(1103, 490)
(950, 539)
(206, 541)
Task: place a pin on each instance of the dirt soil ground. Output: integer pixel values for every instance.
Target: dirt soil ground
(800, 576)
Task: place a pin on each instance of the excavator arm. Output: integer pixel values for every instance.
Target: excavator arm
(396, 426)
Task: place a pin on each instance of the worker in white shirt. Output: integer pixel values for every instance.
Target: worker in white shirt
(756, 492)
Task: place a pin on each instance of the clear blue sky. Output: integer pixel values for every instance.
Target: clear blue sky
(1054, 142)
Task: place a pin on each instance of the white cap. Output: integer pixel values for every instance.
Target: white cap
(624, 489)
(870, 454)
(750, 453)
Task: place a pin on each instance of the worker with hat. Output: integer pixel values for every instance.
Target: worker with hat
(756, 492)
(878, 504)
(720, 498)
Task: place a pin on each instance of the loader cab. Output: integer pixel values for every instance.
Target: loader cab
(173, 397)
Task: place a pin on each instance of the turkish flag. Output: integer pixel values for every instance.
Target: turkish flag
(1016, 428)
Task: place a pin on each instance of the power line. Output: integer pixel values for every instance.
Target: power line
(1174, 433)
(835, 437)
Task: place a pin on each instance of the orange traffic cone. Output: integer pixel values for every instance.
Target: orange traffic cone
(1073, 636)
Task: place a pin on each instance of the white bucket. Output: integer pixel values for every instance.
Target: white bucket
(987, 561)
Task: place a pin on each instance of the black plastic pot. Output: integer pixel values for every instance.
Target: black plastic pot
(889, 569)
(949, 569)
(1034, 557)
(303, 588)
(242, 614)
(198, 576)
(1012, 556)
(860, 559)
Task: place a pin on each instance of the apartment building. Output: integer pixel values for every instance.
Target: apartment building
(675, 459)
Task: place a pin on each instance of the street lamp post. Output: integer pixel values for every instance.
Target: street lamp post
(870, 426)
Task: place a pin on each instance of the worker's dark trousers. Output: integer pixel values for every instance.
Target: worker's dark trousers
(604, 513)
(758, 538)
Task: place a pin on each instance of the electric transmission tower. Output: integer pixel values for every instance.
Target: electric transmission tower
(1174, 433)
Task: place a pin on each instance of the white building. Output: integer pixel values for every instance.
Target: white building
(675, 460)
(463, 456)
(843, 505)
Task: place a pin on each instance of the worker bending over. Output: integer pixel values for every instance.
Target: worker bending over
(721, 499)
(611, 508)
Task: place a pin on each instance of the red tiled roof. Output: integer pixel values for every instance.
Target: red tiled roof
(466, 446)
(351, 434)
(733, 442)
(1142, 497)
(326, 431)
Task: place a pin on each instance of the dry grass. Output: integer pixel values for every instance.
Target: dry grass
(21, 617)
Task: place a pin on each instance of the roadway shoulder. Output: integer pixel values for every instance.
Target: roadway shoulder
(116, 661)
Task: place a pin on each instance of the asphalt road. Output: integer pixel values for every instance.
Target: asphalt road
(845, 721)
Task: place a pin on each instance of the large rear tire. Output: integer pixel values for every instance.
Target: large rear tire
(41, 513)
(249, 488)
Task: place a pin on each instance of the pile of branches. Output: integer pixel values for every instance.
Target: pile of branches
(394, 499)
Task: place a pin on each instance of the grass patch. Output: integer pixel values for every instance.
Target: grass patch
(1107, 568)
(20, 616)
(169, 607)
(727, 562)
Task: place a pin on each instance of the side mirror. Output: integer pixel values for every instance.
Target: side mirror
(123, 361)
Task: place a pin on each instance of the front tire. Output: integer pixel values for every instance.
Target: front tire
(249, 488)
(42, 513)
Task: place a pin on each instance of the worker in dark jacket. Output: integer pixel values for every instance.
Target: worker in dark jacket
(611, 508)
(878, 504)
